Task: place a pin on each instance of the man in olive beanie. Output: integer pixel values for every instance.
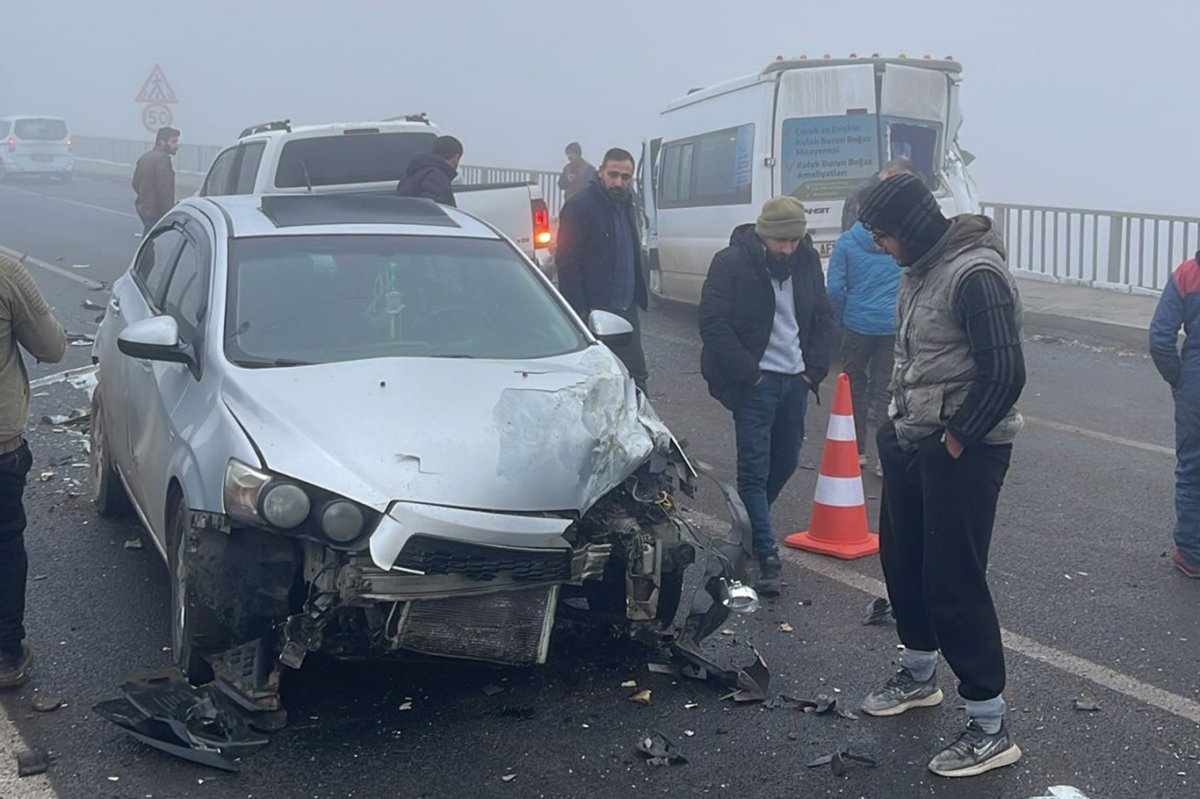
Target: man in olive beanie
(767, 328)
(945, 451)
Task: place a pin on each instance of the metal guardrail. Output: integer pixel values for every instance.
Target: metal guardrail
(1106, 249)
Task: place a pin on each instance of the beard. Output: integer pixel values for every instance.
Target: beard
(618, 194)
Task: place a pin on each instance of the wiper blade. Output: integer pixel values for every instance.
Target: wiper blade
(278, 362)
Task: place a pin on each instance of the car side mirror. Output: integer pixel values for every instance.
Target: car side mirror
(154, 339)
(610, 328)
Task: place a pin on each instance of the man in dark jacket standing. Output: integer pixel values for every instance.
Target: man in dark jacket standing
(767, 328)
(1179, 307)
(154, 179)
(945, 451)
(430, 176)
(599, 255)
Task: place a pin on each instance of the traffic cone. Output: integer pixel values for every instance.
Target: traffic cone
(839, 516)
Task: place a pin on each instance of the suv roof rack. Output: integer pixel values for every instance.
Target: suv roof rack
(422, 117)
(267, 127)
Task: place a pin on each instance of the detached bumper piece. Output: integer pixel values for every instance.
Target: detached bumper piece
(196, 724)
(429, 555)
(511, 628)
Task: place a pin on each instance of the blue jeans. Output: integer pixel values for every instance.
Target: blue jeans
(769, 423)
(1187, 469)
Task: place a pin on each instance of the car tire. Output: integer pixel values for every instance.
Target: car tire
(227, 589)
(108, 492)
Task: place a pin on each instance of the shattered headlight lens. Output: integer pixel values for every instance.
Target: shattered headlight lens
(243, 487)
(342, 521)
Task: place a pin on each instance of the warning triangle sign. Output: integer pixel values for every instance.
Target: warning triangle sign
(156, 89)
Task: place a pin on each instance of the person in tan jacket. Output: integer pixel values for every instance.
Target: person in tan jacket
(25, 323)
(154, 179)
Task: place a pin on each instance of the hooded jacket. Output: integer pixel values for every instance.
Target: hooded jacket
(737, 313)
(430, 177)
(154, 184)
(863, 282)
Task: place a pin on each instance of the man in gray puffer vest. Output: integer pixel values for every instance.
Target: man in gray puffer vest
(945, 451)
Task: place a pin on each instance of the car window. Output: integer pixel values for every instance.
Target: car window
(251, 155)
(5, 127)
(36, 129)
(323, 299)
(154, 262)
(186, 291)
(220, 174)
(349, 158)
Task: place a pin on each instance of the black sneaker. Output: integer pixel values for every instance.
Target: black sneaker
(769, 580)
(14, 666)
(976, 752)
(901, 693)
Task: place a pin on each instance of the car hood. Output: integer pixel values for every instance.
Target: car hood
(552, 434)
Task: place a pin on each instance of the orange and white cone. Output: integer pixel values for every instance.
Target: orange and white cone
(839, 516)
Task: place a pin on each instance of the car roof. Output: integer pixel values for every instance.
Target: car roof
(18, 117)
(333, 128)
(357, 213)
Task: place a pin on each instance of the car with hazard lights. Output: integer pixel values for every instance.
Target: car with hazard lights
(36, 146)
(369, 426)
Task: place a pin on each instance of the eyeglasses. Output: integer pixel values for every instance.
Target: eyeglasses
(878, 236)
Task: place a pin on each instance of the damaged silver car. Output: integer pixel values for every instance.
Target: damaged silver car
(368, 426)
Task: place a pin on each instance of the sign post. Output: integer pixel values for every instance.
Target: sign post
(157, 96)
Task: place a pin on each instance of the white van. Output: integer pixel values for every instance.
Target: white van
(815, 129)
(32, 145)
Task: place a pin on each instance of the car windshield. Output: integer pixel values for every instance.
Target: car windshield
(41, 129)
(295, 300)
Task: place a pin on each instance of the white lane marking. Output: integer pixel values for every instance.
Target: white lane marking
(12, 786)
(76, 203)
(841, 428)
(1074, 665)
(29, 260)
(840, 492)
(1097, 435)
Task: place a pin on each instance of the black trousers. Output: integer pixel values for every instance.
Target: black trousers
(867, 361)
(632, 354)
(14, 565)
(935, 529)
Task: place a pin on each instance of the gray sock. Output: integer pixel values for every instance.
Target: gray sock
(988, 714)
(920, 664)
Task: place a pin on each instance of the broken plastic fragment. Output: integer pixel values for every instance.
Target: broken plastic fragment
(691, 705)
(406, 706)
(641, 697)
(879, 611)
(133, 543)
(784, 627)
(1087, 705)
(509, 777)
(492, 689)
(46, 477)
(31, 762)
(629, 684)
(659, 749)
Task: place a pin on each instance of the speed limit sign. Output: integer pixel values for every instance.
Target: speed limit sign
(155, 116)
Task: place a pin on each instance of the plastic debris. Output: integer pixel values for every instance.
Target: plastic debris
(839, 762)
(784, 627)
(88, 305)
(641, 697)
(629, 684)
(406, 706)
(491, 689)
(659, 750)
(508, 777)
(751, 683)
(46, 703)
(822, 705)
(133, 543)
(46, 477)
(879, 611)
(1087, 705)
(31, 762)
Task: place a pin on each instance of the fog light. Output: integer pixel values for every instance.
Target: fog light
(285, 505)
(342, 521)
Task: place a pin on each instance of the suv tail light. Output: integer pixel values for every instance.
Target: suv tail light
(70, 143)
(542, 235)
(12, 143)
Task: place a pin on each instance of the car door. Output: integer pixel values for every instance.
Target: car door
(156, 431)
(136, 296)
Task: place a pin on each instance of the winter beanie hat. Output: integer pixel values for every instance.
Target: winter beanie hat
(902, 207)
(782, 218)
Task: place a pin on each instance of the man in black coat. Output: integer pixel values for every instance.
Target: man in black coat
(599, 255)
(767, 330)
(430, 176)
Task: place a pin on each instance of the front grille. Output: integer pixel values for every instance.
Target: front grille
(431, 555)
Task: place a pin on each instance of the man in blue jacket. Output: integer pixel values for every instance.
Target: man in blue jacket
(863, 283)
(1179, 307)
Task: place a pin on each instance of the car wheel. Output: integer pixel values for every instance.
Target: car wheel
(196, 630)
(108, 493)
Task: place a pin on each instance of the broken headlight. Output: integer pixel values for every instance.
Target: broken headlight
(253, 496)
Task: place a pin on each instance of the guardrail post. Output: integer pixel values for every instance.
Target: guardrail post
(1116, 232)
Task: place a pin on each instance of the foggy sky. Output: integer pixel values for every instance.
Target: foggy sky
(1085, 104)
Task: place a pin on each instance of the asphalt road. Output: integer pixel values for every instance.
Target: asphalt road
(1085, 592)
